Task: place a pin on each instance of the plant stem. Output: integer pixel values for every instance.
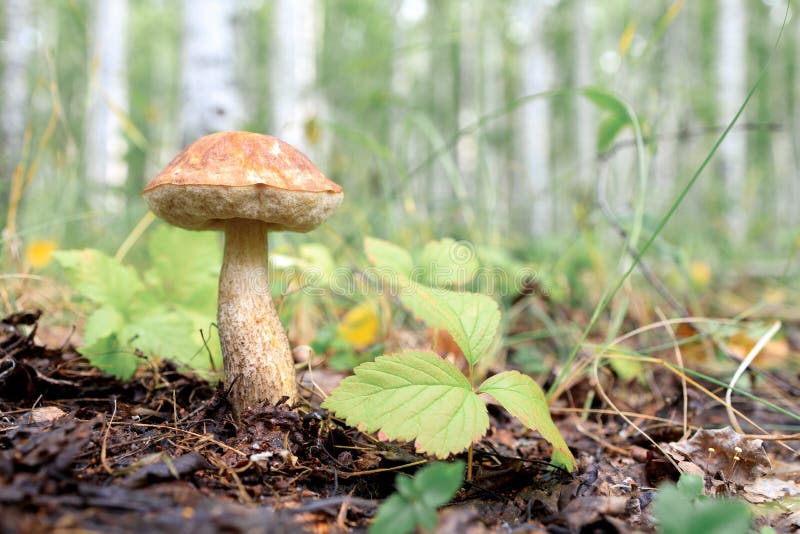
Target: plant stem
(469, 452)
(134, 236)
(469, 463)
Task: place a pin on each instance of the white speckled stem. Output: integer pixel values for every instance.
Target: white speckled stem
(258, 360)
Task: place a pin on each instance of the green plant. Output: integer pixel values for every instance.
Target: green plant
(158, 312)
(683, 509)
(416, 395)
(416, 500)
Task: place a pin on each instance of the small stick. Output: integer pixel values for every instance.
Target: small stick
(104, 446)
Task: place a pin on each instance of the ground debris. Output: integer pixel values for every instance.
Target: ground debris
(723, 451)
(80, 450)
(167, 468)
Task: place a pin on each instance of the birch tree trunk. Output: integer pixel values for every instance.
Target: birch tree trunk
(212, 101)
(532, 201)
(105, 145)
(467, 147)
(585, 117)
(731, 76)
(494, 186)
(297, 25)
(17, 47)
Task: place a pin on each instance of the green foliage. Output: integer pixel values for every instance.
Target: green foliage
(448, 263)
(472, 319)
(413, 396)
(524, 399)
(683, 509)
(159, 313)
(419, 396)
(388, 256)
(416, 500)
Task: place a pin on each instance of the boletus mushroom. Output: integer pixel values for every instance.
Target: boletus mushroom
(246, 184)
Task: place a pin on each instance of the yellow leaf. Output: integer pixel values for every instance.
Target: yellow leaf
(673, 11)
(776, 354)
(40, 252)
(700, 272)
(360, 326)
(626, 39)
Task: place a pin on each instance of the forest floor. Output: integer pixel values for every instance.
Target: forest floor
(81, 451)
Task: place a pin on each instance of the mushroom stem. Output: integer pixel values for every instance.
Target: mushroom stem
(258, 360)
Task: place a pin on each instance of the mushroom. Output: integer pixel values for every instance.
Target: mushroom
(246, 184)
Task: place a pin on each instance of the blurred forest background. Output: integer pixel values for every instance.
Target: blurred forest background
(438, 117)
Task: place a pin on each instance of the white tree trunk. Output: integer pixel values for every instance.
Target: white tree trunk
(731, 75)
(496, 188)
(409, 72)
(585, 117)
(293, 72)
(212, 102)
(106, 169)
(467, 147)
(18, 44)
(532, 201)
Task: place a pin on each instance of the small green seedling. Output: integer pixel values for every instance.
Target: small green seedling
(416, 395)
(128, 310)
(416, 500)
(683, 509)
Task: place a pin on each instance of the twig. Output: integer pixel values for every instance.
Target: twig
(189, 432)
(344, 474)
(104, 445)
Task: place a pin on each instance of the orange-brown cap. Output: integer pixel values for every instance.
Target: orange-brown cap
(242, 175)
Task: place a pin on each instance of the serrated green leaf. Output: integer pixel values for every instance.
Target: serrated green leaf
(524, 399)
(412, 396)
(185, 267)
(99, 277)
(415, 503)
(164, 334)
(388, 257)
(448, 263)
(471, 318)
(101, 323)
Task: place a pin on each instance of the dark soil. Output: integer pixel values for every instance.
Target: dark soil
(80, 450)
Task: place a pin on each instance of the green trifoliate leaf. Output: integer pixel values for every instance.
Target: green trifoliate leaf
(415, 503)
(388, 257)
(471, 318)
(524, 399)
(412, 396)
(99, 277)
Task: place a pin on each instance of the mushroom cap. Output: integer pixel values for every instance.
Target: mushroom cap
(242, 175)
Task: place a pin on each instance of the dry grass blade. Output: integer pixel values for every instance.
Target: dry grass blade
(757, 348)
